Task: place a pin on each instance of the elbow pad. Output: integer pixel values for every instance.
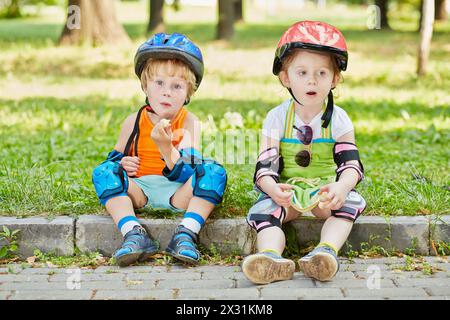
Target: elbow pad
(343, 152)
(269, 163)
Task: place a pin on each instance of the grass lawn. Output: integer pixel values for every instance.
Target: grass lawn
(61, 109)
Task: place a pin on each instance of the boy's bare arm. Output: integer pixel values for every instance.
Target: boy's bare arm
(125, 132)
(191, 139)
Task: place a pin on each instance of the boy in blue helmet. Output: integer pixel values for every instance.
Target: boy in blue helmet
(156, 161)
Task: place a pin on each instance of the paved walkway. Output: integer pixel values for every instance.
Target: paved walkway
(360, 279)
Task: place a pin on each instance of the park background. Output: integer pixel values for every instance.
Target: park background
(61, 106)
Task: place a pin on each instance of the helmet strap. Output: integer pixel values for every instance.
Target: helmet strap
(292, 94)
(326, 117)
(148, 107)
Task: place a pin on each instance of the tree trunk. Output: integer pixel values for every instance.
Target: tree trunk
(225, 27)
(238, 11)
(426, 32)
(92, 22)
(383, 5)
(421, 16)
(13, 10)
(440, 10)
(322, 4)
(156, 21)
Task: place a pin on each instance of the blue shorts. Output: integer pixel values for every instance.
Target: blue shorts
(158, 190)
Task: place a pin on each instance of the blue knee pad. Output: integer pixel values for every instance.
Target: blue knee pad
(209, 181)
(110, 180)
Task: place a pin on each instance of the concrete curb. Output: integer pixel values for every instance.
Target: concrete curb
(98, 233)
(439, 230)
(55, 236)
(397, 233)
(229, 236)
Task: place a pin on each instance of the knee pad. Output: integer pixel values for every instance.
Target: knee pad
(353, 206)
(265, 213)
(209, 182)
(110, 180)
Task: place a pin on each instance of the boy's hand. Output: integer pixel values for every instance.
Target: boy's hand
(130, 165)
(162, 134)
(332, 196)
(281, 194)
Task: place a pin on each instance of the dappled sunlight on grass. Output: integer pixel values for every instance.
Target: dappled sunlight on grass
(381, 126)
(69, 88)
(101, 62)
(373, 94)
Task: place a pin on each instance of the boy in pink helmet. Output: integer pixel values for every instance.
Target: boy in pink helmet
(308, 157)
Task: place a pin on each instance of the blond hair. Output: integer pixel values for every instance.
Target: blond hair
(171, 68)
(285, 63)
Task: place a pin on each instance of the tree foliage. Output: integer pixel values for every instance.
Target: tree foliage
(11, 9)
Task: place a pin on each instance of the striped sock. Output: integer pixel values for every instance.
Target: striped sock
(127, 224)
(327, 244)
(193, 221)
(271, 251)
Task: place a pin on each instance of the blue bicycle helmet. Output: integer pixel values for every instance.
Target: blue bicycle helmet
(170, 46)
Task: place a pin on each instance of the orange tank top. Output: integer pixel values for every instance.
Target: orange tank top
(151, 162)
